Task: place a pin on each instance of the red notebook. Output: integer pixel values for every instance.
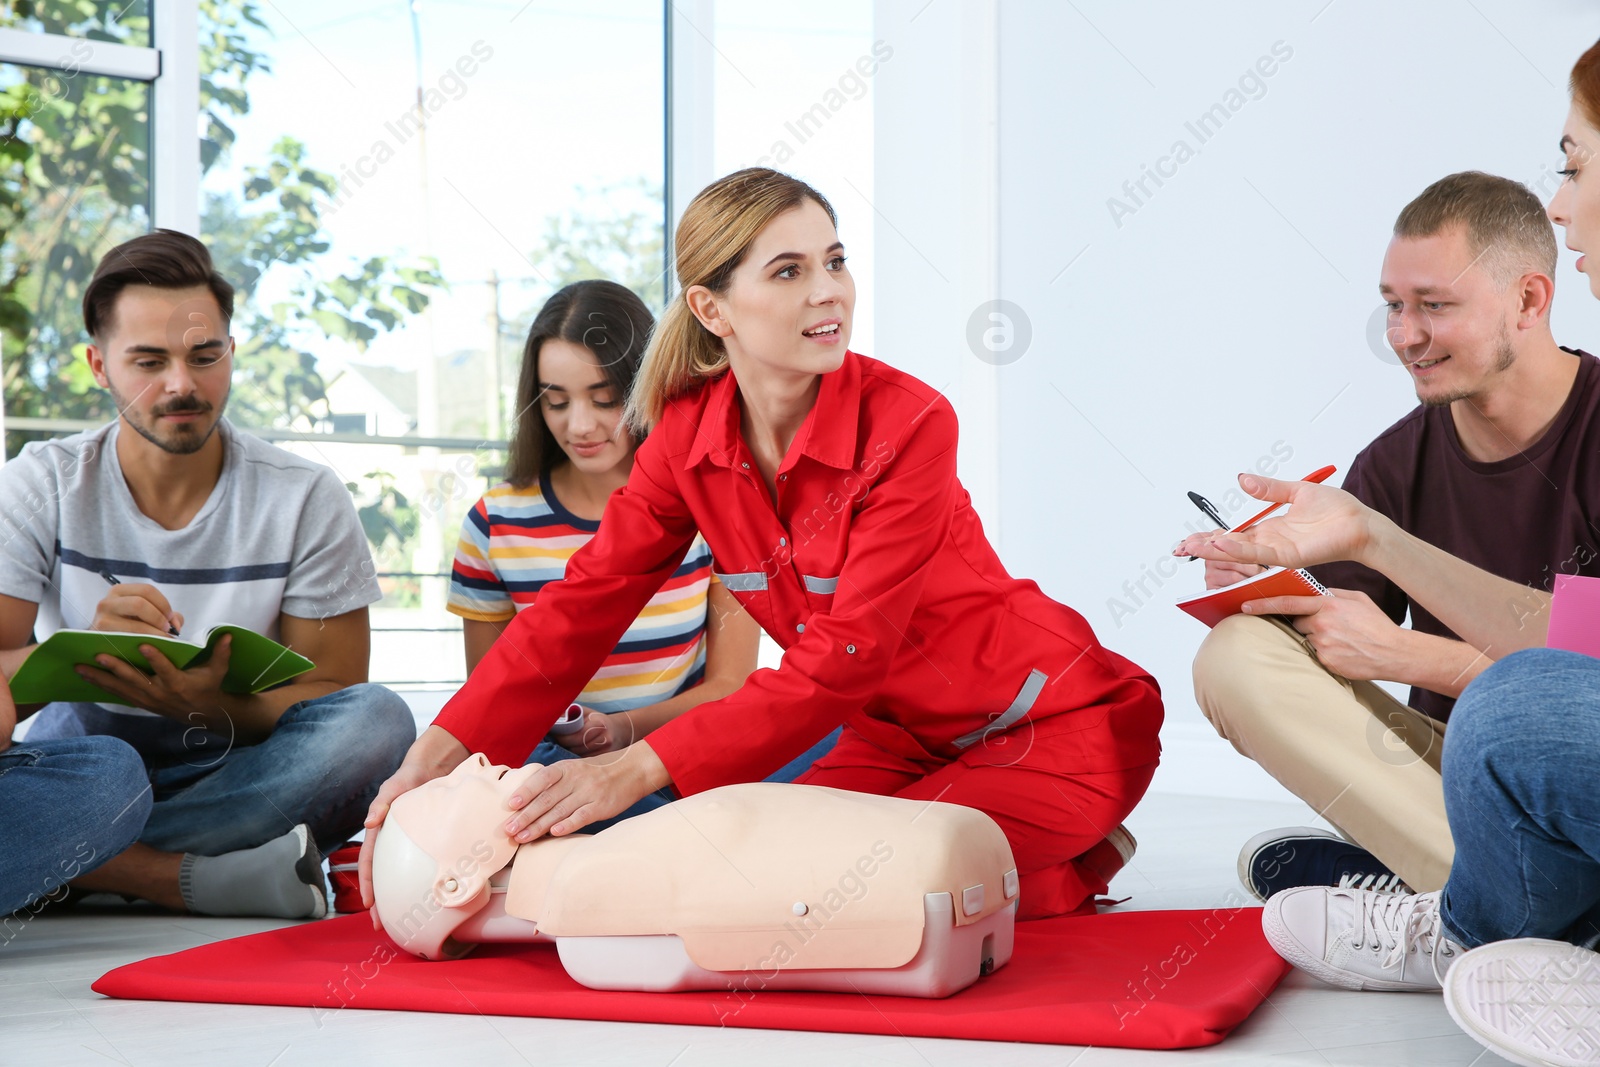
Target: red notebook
(1214, 605)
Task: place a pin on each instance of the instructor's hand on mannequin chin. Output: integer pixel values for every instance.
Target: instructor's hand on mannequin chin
(432, 755)
(1324, 524)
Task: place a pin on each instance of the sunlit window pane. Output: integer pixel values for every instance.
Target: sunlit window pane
(74, 181)
(121, 21)
(397, 190)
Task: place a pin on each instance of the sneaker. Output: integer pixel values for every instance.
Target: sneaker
(309, 870)
(1296, 856)
(1358, 939)
(1533, 1002)
(1113, 853)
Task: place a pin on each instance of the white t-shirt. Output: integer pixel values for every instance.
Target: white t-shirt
(279, 534)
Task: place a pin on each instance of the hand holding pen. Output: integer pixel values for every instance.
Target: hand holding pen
(133, 607)
(1225, 572)
(1324, 524)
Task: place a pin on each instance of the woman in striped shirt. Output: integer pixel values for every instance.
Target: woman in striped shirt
(569, 452)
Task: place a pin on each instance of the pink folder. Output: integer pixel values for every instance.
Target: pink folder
(1575, 615)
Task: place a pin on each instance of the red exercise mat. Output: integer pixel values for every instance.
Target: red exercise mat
(1151, 979)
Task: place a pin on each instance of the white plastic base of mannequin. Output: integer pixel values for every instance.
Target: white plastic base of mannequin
(951, 958)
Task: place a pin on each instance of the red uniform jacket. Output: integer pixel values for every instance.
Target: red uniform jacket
(871, 571)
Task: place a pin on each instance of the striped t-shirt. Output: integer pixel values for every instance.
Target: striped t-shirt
(514, 541)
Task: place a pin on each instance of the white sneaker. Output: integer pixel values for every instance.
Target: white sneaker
(1534, 1002)
(1378, 883)
(1360, 939)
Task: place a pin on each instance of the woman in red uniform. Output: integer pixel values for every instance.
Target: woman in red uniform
(825, 484)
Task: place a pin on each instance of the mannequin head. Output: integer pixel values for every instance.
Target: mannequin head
(435, 853)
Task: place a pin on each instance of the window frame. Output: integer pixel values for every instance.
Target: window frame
(688, 98)
(171, 67)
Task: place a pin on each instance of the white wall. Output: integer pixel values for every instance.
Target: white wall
(936, 211)
(1229, 313)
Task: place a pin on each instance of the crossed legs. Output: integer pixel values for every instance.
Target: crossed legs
(1364, 761)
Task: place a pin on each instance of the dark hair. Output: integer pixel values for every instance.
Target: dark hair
(165, 259)
(604, 317)
(1506, 225)
(1585, 84)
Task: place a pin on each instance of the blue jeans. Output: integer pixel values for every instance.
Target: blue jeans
(1521, 772)
(802, 763)
(321, 765)
(69, 805)
(549, 752)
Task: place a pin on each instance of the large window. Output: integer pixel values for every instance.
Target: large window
(121, 21)
(74, 181)
(395, 188)
(76, 95)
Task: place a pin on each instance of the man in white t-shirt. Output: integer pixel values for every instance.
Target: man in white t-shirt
(169, 520)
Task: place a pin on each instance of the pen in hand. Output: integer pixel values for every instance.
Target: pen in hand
(1205, 506)
(1319, 475)
(1208, 511)
(111, 579)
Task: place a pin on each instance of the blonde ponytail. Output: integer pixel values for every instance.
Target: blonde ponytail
(716, 232)
(681, 353)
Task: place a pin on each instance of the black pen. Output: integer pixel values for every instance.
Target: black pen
(1205, 506)
(1210, 512)
(111, 579)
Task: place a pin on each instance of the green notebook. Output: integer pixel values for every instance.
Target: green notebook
(47, 674)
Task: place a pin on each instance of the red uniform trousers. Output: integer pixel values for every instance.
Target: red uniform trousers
(1031, 780)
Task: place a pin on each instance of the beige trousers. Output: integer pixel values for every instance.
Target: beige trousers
(1364, 761)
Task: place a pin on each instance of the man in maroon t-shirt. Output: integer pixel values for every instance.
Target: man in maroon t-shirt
(1499, 466)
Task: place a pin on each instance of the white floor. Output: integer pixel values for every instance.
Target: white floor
(1187, 844)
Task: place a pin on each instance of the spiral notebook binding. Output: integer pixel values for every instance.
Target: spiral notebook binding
(1321, 589)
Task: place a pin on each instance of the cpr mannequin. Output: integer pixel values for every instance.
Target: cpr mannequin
(761, 885)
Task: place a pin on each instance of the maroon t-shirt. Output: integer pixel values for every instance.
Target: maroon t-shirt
(1526, 518)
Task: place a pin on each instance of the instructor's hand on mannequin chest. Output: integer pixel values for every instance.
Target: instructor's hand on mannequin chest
(571, 794)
